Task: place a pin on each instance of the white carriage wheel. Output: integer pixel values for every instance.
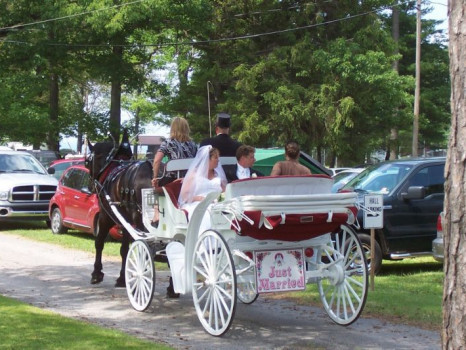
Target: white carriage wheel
(246, 282)
(140, 275)
(343, 289)
(214, 283)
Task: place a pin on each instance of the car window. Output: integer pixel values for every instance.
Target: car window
(60, 168)
(20, 163)
(44, 156)
(73, 179)
(85, 180)
(381, 178)
(341, 175)
(431, 177)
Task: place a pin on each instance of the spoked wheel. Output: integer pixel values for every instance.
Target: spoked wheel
(140, 275)
(343, 289)
(214, 283)
(246, 281)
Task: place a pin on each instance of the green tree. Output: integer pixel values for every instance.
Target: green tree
(321, 85)
(24, 54)
(435, 80)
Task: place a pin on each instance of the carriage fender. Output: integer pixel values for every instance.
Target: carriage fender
(175, 254)
(192, 235)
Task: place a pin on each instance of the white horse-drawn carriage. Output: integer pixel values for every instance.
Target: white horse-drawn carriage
(268, 234)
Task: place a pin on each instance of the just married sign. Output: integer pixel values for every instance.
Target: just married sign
(280, 270)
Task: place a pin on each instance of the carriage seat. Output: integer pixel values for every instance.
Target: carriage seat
(173, 189)
(172, 192)
(284, 185)
(290, 208)
(180, 166)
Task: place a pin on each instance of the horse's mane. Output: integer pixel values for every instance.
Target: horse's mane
(111, 153)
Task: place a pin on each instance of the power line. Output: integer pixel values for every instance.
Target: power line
(437, 3)
(70, 16)
(203, 42)
(187, 43)
(139, 1)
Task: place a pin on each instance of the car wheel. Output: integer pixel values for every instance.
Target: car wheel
(97, 229)
(56, 222)
(366, 246)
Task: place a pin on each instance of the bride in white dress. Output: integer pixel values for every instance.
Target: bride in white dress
(205, 175)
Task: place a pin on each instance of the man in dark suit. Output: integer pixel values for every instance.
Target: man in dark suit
(223, 142)
(243, 168)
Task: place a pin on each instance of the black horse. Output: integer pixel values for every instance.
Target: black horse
(114, 173)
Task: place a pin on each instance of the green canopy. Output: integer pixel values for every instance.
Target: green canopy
(267, 157)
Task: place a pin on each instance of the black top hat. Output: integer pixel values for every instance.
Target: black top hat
(223, 120)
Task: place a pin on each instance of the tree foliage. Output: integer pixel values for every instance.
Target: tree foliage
(318, 72)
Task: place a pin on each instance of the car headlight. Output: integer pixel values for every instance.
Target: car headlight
(3, 195)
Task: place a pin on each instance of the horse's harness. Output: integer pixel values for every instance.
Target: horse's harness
(107, 175)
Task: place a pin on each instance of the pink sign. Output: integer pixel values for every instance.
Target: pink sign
(279, 270)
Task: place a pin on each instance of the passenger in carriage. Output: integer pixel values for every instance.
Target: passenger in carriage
(222, 141)
(205, 175)
(291, 165)
(243, 168)
(178, 146)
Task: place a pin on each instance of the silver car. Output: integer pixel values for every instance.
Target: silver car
(25, 187)
(437, 244)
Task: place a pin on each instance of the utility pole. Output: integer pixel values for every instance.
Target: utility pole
(393, 145)
(208, 107)
(417, 90)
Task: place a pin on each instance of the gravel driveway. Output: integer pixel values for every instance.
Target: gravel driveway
(57, 279)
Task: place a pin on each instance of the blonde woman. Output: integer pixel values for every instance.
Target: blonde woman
(178, 146)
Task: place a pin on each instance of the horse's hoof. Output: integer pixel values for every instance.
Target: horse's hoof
(120, 283)
(97, 277)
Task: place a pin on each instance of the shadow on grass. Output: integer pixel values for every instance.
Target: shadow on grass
(23, 224)
(41, 225)
(413, 266)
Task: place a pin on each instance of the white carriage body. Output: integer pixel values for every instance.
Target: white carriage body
(280, 214)
(271, 196)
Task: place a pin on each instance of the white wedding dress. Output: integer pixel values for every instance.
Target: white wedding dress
(203, 188)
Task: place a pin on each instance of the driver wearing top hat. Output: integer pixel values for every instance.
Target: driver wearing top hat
(223, 142)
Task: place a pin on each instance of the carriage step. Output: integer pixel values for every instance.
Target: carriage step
(158, 249)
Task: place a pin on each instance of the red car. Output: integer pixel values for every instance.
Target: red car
(60, 165)
(74, 206)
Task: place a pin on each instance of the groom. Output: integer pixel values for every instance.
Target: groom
(243, 168)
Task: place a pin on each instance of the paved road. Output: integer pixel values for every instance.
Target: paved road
(50, 277)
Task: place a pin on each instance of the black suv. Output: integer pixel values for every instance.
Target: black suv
(413, 196)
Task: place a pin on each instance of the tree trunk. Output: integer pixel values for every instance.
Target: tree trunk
(454, 292)
(417, 89)
(53, 136)
(137, 122)
(393, 143)
(79, 142)
(115, 98)
(393, 140)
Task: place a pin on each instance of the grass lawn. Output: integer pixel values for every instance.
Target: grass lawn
(408, 291)
(27, 327)
(74, 239)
